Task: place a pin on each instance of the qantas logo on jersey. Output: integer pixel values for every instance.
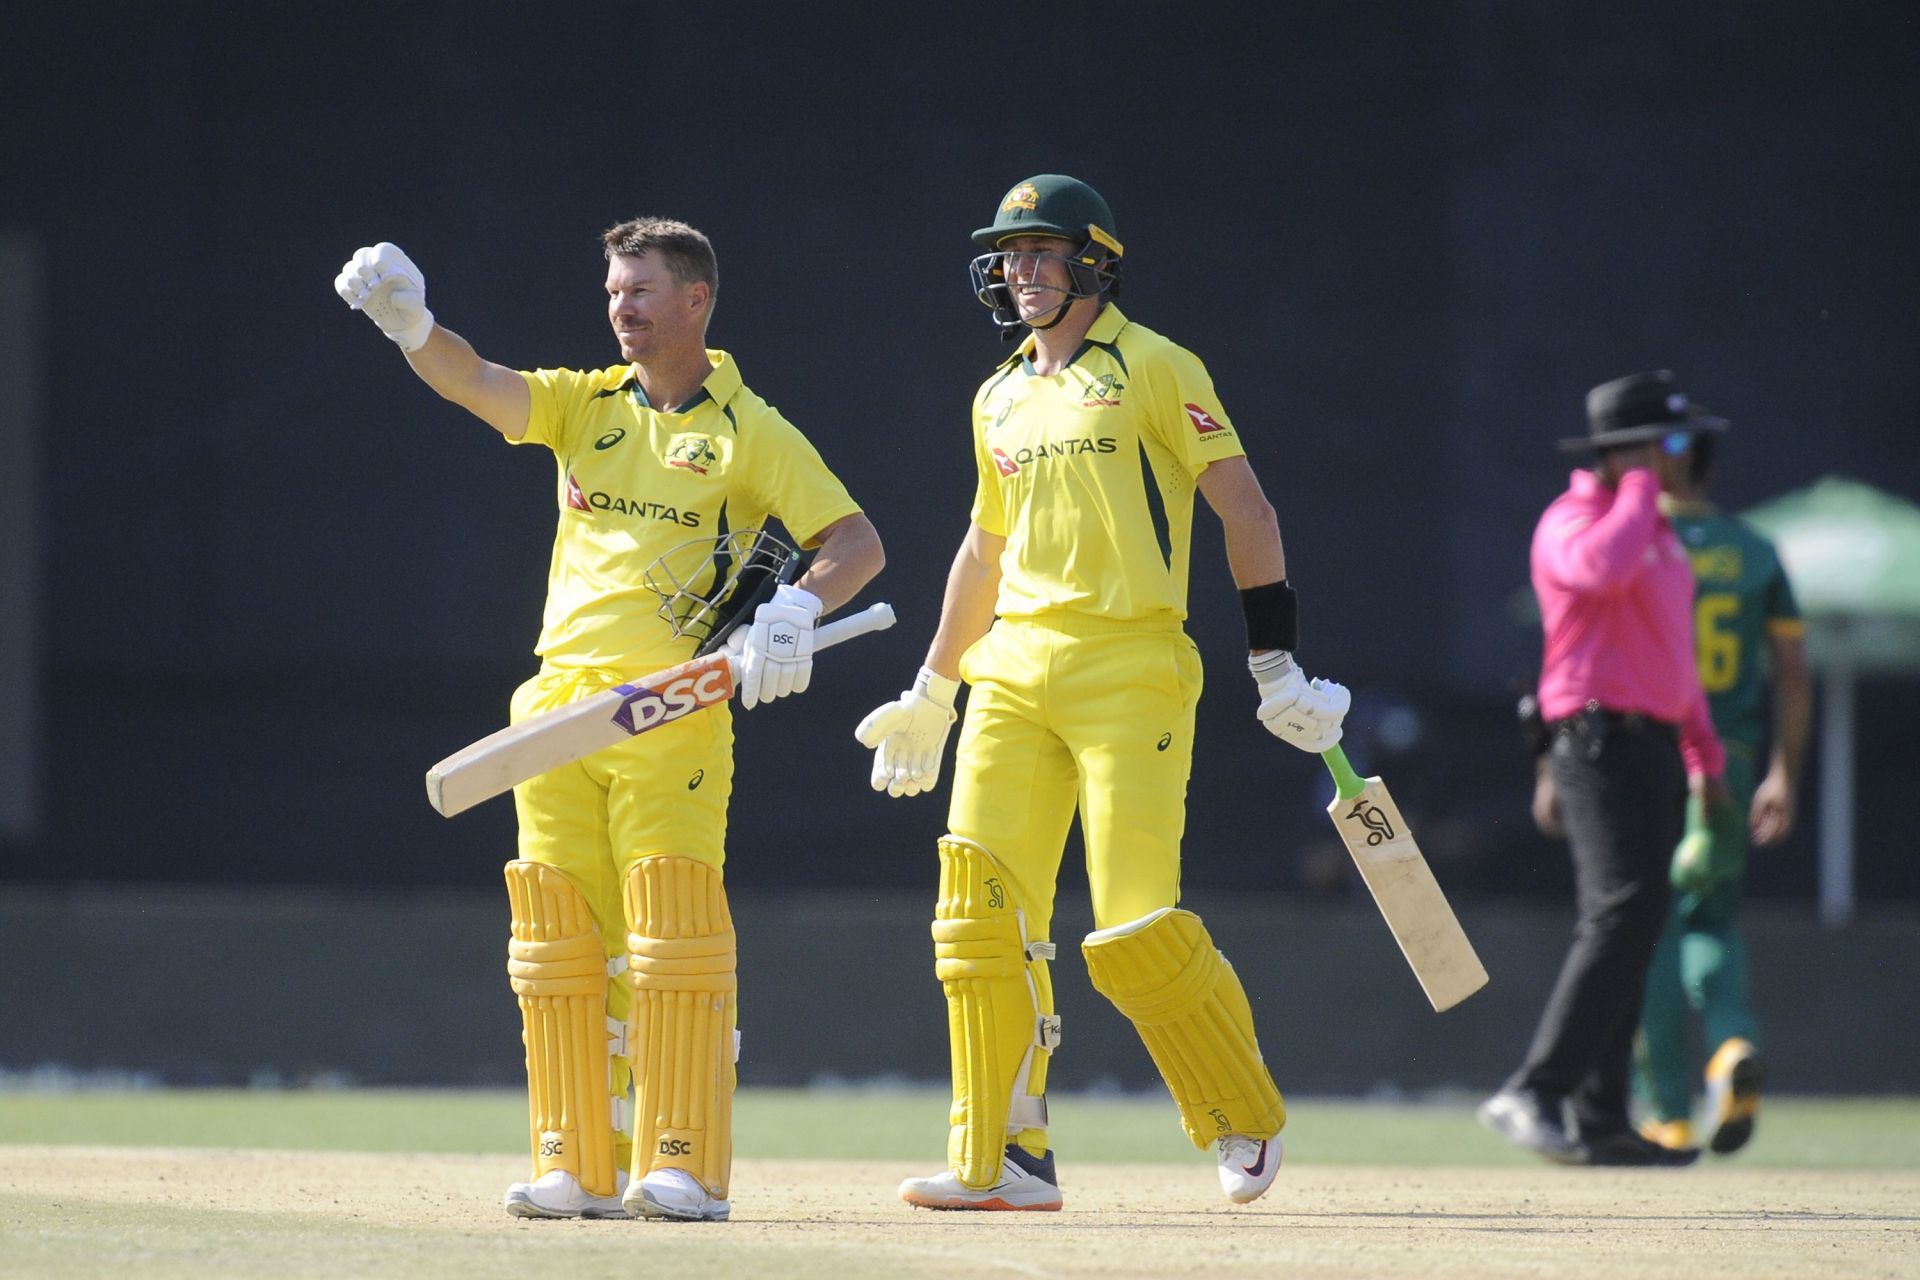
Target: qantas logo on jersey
(1010, 463)
(1204, 423)
(580, 500)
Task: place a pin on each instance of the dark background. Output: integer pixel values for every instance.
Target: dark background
(277, 577)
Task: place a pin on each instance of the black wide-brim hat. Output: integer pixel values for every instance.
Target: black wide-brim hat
(1638, 408)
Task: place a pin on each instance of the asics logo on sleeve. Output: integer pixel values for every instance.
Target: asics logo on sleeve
(611, 439)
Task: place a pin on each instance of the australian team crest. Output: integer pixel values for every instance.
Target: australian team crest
(1025, 196)
(1103, 391)
(691, 452)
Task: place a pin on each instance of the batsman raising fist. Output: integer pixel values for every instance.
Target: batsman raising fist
(622, 951)
(1063, 612)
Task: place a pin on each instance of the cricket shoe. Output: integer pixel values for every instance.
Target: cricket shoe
(1026, 1182)
(1673, 1134)
(558, 1194)
(1733, 1096)
(1528, 1120)
(1247, 1166)
(674, 1195)
(1625, 1149)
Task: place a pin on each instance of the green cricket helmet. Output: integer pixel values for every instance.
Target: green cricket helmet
(1048, 204)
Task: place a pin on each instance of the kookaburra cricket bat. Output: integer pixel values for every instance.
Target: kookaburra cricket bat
(1403, 886)
(501, 760)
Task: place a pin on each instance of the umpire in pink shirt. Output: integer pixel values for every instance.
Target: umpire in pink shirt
(1621, 694)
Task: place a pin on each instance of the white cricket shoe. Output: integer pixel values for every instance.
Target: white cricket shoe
(1027, 1182)
(677, 1196)
(558, 1194)
(1247, 1166)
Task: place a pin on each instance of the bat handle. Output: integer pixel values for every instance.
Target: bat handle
(875, 617)
(1345, 781)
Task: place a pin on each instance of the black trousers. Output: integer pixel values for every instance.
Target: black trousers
(1622, 790)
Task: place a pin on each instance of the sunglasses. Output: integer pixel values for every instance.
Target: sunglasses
(1675, 443)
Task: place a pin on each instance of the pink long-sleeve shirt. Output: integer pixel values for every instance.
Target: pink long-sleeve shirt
(1616, 603)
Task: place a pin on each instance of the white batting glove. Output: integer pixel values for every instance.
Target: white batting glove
(383, 282)
(1302, 713)
(776, 656)
(909, 735)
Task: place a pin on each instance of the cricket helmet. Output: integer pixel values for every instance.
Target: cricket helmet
(1049, 204)
(709, 586)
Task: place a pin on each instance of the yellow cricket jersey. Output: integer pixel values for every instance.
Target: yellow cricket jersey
(635, 482)
(1089, 474)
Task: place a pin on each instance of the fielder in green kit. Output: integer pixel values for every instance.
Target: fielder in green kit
(1748, 633)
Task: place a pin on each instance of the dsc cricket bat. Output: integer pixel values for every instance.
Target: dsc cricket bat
(501, 760)
(1403, 886)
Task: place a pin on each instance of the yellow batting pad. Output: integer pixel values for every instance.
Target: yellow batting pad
(1165, 974)
(559, 970)
(682, 970)
(1000, 1020)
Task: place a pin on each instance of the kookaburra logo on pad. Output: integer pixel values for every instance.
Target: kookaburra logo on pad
(1374, 819)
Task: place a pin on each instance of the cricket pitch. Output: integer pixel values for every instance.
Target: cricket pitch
(159, 1212)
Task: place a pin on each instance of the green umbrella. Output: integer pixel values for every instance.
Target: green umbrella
(1853, 554)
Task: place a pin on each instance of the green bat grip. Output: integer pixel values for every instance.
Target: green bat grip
(1348, 783)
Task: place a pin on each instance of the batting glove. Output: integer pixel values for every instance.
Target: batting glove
(383, 282)
(1302, 713)
(909, 735)
(777, 657)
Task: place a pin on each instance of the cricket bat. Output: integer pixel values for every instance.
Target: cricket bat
(1403, 886)
(501, 760)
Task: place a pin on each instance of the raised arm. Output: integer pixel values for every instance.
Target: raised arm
(1603, 555)
(383, 282)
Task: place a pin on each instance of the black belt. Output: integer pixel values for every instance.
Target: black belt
(1594, 717)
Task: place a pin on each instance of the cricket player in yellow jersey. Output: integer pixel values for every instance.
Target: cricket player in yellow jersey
(1063, 611)
(622, 951)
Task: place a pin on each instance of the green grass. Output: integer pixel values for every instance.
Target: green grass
(1795, 1133)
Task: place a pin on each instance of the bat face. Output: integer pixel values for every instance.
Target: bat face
(1370, 823)
(1408, 896)
(503, 759)
(651, 703)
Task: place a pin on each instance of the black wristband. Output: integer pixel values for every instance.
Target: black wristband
(1273, 616)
